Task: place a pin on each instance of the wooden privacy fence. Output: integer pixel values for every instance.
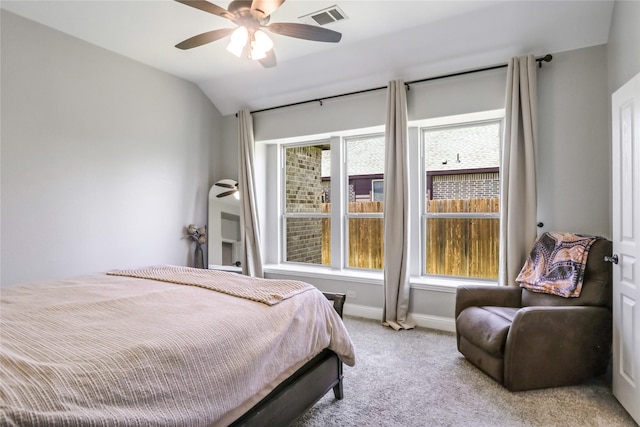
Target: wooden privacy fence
(466, 247)
(366, 236)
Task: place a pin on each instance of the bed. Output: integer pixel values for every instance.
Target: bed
(168, 345)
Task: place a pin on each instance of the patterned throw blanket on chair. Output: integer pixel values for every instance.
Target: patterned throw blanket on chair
(556, 264)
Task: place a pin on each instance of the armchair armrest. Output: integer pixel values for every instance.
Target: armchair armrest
(486, 295)
(549, 346)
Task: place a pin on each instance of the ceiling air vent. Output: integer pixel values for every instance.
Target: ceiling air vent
(324, 16)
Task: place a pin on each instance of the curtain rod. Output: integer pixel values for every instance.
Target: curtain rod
(546, 58)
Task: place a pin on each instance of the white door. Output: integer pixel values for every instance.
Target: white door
(626, 245)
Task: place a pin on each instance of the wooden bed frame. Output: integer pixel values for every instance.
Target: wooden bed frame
(295, 395)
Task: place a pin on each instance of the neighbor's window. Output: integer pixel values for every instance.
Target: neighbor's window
(364, 221)
(377, 189)
(461, 207)
(306, 208)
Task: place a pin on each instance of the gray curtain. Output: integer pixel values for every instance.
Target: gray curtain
(518, 185)
(396, 210)
(249, 226)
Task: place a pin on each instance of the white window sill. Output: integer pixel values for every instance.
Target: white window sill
(440, 284)
(445, 284)
(321, 272)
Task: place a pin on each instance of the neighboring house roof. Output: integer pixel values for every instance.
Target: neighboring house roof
(365, 156)
(475, 146)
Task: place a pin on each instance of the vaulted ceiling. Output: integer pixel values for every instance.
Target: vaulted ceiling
(381, 40)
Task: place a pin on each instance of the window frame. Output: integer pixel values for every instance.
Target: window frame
(284, 216)
(272, 213)
(339, 216)
(455, 122)
(354, 215)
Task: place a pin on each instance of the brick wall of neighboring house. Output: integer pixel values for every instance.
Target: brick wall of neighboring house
(304, 195)
(482, 185)
(466, 186)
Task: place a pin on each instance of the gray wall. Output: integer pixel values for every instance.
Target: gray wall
(104, 160)
(623, 47)
(573, 151)
(572, 154)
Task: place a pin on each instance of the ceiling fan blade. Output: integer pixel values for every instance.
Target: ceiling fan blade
(304, 31)
(226, 193)
(269, 61)
(225, 185)
(208, 7)
(263, 8)
(204, 38)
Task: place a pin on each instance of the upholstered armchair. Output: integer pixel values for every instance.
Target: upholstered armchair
(528, 340)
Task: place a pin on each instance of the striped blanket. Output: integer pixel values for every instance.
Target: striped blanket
(116, 351)
(556, 264)
(266, 291)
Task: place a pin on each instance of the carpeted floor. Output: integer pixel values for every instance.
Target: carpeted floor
(418, 378)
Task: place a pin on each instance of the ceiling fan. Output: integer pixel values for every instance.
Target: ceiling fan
(251, 17)
(228, 183)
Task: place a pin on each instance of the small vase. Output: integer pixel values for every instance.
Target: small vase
(198, 256)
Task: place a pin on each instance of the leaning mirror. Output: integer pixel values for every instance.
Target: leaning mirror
(224, 225)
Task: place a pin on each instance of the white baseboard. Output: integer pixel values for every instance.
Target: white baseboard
(434, 322)
(422, 320)
(365, 311)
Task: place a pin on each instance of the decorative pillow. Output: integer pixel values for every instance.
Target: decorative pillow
(556, 264)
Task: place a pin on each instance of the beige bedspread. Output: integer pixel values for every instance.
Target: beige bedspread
(118, 351)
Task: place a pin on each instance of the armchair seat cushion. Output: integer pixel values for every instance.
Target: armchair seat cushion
(487, 327)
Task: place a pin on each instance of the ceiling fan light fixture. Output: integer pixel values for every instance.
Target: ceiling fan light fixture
(247, 38)
(238, 41)
(261, 43)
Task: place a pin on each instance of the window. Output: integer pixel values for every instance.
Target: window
(332, 195)
(365, 224)
(377, 188)
(306, 209)
(308, 203)
(461, 207)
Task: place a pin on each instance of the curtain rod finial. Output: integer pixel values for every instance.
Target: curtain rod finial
(547, 58)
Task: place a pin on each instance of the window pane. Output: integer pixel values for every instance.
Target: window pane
(377, 186)
(366, 243)
(307, 183)
(462, 163)
(466, 247)
(365, 190)
(365, 164)
(462, 177)
(308, 240)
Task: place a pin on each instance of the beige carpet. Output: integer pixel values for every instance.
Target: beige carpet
(418, 378)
